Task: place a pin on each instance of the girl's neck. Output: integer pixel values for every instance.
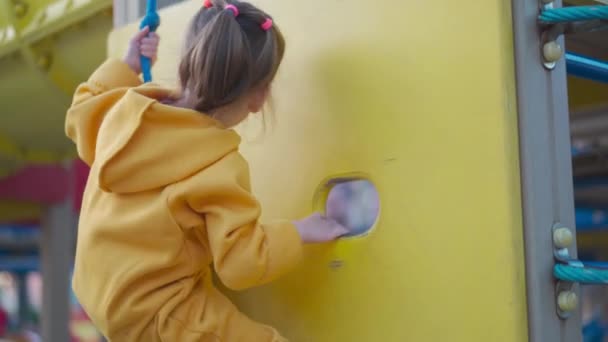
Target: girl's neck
(178, 102)
(228, 115)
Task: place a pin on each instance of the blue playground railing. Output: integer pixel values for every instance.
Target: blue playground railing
(591, 219)
(588, 68)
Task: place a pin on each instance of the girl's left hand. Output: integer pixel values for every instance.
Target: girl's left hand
(143, 43)
(318, 229)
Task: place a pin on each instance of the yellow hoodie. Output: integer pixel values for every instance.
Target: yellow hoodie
(167, 197)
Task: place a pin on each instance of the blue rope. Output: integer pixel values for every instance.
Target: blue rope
(152, 20)
(569, 14)
(583, 275)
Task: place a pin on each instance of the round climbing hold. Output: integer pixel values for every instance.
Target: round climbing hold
(567, 301)
(563, 237)
(552, 51)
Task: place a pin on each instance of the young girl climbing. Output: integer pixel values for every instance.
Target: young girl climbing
(169, 194)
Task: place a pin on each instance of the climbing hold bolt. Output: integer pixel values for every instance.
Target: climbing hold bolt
(563, 237)
(567, 301)
(44, 61)
(552, 51)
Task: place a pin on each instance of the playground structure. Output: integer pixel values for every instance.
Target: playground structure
(46, 49)
(465, 140)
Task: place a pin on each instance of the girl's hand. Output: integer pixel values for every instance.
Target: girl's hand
(143, 43)
(317, 229)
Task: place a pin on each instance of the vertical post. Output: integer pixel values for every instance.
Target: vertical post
(57, 247)
(126, 11)
(546, 172)
(23, 299)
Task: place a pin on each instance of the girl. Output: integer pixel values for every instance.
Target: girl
(169, 195)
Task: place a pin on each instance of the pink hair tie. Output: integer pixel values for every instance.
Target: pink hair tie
(234, 10)
(207, 4)
(267, 25)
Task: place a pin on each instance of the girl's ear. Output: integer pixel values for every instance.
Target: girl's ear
(257, 99)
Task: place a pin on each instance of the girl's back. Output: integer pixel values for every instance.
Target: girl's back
(148, 229)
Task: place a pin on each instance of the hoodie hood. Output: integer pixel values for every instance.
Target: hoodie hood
(143, 144)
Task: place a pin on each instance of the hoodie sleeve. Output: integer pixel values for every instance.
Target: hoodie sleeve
(92, 100)
(245, 252)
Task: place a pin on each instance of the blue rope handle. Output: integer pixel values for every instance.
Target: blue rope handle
(152, 20)
(569, 14)
(583, 275)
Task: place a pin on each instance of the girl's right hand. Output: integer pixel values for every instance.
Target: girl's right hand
(144, 43)
(317, 229)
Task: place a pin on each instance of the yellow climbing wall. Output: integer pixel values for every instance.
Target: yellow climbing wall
(420, 97)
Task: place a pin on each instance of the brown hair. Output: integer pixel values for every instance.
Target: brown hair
(226, 56)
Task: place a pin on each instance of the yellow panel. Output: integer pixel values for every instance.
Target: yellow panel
(419, 95)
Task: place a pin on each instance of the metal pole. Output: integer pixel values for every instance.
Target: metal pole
(57, 257)
(57, 253)
(23, 299)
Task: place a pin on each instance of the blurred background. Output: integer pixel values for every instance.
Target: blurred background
(46, 49)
